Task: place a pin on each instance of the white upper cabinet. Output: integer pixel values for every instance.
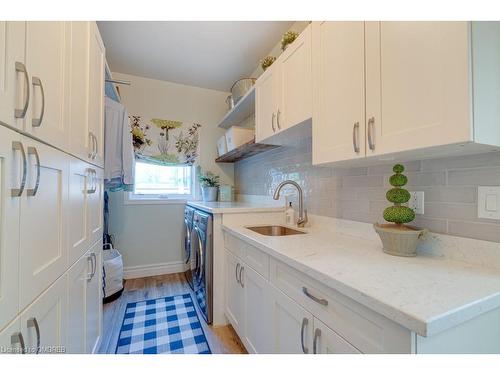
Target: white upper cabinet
(338, 91)
(11, 187)
(284, 91)
(14, 79)
(47, 55)
(417, 85)
(43, 243)
(97, 60)
(295, 82)
(427, 88)
(266, 104)
(78, 104)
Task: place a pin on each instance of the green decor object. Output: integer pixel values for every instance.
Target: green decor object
(288, 38)
(399, 239)
(209, 184)
(267, 61)
(398, 214)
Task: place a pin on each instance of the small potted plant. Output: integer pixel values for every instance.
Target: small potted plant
(209, 185)
(288, 38)
(399, 239)
(267, 61)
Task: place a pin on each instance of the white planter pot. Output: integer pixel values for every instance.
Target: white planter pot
(209, 193)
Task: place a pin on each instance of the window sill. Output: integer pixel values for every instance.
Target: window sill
(154, 201)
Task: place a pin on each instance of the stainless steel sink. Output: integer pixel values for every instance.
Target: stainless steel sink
(275, 230)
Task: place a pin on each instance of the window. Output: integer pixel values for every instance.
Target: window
(160, 182)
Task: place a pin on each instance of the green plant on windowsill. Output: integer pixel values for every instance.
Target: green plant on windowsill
(209, 183)
(398, 238)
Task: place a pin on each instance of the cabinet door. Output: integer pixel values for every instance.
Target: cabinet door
(14, 84)
(10, 178)
(78, 280)
(291, 325)
(94, 301)
(43, 243)
(257, 337)
(295, 82)
(96, 202)
(339, 93)
(12, 339)
(46, 60)
(79, 236)
(78, 103)
(47, 315)
(96, 92)
(326, 341)
(417, 85)
(266, 103)
(234, 294)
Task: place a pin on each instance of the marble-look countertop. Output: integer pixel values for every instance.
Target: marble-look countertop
(426, 294)
(237, 207)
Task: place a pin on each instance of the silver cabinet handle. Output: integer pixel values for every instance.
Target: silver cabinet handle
(32, 192)
(355, 137)
(371, 125)
(38, 121)
(278, 119)
(88, 173)
(317, 335)
(96, 145)
(272, 122)
(17, 338)
(321, 301)
(91, 260)
(241, 280)
(21, 68)
(18, 146)
(305, 322)
(33, 323)
(91, 139)
(93, 178)
(236, 273)
(94, 264)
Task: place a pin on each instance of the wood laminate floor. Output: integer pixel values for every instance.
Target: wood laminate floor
(222, 340)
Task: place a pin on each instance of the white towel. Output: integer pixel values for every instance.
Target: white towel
(118, 147)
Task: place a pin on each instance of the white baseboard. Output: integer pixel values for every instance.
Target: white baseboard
(153, 270)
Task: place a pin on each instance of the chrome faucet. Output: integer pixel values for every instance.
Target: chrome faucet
(302, 220)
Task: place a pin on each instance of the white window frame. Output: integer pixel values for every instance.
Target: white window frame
(129, 198)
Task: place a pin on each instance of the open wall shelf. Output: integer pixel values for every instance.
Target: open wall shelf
(244, 151)
(241, 111)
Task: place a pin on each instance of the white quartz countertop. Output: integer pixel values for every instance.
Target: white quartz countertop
(237, 207)
(426, 294)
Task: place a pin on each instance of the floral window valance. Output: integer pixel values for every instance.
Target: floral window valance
(164, 142)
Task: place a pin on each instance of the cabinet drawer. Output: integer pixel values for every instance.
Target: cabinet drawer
(366, 330)
(253, 257)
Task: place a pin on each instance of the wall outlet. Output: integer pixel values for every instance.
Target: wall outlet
(488, 202)
(416, 202)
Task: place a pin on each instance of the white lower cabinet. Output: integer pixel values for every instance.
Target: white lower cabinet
(43, 246)
(257, 298)
(11, 339)
(234, 293)
(93, 301)
(44, 322)
(327, 341)
(291, 325)
(84, 312)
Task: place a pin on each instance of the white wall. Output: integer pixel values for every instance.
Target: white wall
(152, 234)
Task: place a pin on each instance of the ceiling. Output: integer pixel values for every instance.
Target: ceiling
(204, 54)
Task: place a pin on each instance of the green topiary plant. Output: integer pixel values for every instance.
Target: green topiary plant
(398, 214)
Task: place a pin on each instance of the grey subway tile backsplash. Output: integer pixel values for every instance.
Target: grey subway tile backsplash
(450, 186)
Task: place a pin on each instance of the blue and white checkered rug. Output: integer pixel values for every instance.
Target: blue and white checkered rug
(162, 326)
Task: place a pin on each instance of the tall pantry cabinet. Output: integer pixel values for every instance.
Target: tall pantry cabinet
(51, 185)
